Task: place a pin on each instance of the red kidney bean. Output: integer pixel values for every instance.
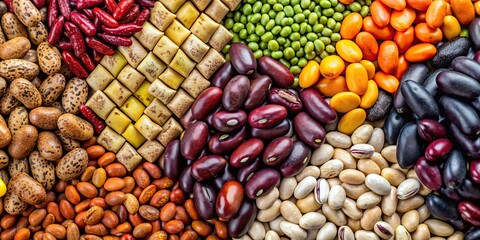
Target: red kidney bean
(186, 180)
(88, 13)
(74, 65)
(428, 173)
(111, 5)
(246, 173)
(242, 59)
(228, 174)
(99, 46)
(267, 116)
(246, 152)
(122, 8)
(209, 118)
(83, 23)
(206, 102)
(97, 23)
(225, 121)
(243, 220)
(409, 146)
(262, 183)
(450, 193)
(142, 17)
(63, 45)
(171, 162)
(146, 3)
(441, 207)
(469, 190)
(56, 30)
(132, 14)
(229, 200)
(105, 18)
(430, 130)
(38, 3)
(116, 40)
(89, 64)
(204, 199)
(297, 160)
(469, 212)
(475, 170)
(317, 107)
(307, 129)
(286, 97)
(258, 91)
(277, 151)
(208, 167)
(280, 74)
(52, 12)
(454, 169)
(223, 75)
(470, 146)
(76, 39)
(267, 134)
(82, 4)
(438, 149)
(194, 140)
(222, 143)
(122, 30)
(65, 10)
(235, 93)
(187, 119)
(87, 113)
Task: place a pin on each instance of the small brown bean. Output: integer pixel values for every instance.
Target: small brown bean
(114, 184)
(202, 228)
(168, 212)
(141, 177)
(142, 230)
(110, 219)
(57, 230)
(87, 189)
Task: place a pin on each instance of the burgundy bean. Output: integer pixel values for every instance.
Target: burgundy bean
(97, 56)
(105, 18)
(116, 40)
(469, 212)
(122, 8)
(82, 4)
(132, 14)
(204, 199)
(307, 129)
(52, 12)
(267, 134)
(258, 91)
(441, 207)
(454, 169)
(56, 30)
(246, 152)
(280, 74)
(83, 23)
(297, 160)
(142, 17)
(475, 170)
(122, 30)
(430, 130)
(469, 190)
(187, 119)
(242, 59)
(38, 3)
(225, 121)
(235, 93)
(246, 173)
(74, 64)
(99, 46)
(63, 45)
(262, 183)
(267, 116)
(277, 151)
(146, 3)
(222, 143)
(194, 140)
(286, 97)
(223, 75)
(208, 167)
(76, 39)
(88, 63)
(64, 6)
(206, 102)
(428, 173)
(229, 200)
(228, 174)
(317, 107)
(89, 13)
(209, 118)
(438, 149)
(172, 162)
(186, 180)
(111, 6)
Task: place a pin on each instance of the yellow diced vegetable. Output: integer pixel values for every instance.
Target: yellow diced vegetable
(133, 136)
(117, 120)
(133, 108)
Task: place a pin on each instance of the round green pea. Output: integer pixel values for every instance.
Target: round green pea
(243, 34)
(284, 2)
(330, 48)
(253, 38)
(355, 7)
(267, 37)
(250, 28)
(284, 62)
(247, 9)
(299, 18)
(309, 47)
(243, 19)
(263, 45)
(278, 7)
(337, 27)
(295, 27)
(303, 28)
(267, 52)
(365, 11)
(305, 3)
(272, 2)
(253, 45)
(337, 17)
(311, 36)
(226, 49)
(229, 23)
(294, 61)
(328, 12)
(325, 4)
(237, 27)
(272, 14)
(312, 18)
(296, 45)
(295, 70)
(300, 53)
(325, 40)
(284, 22)
(306, 13)
(302, 62)
(331, 23)
(279, 17)
(294, 2)
(276, 30)
(324, 54)
(273, 45)
(251, 1)
(255, 18)
(310, 55)
(277, 54)
(339, 8)
(265, 8)
(259, 30)
(327, 32)
(336, 37)
(286, 31)
(297, 9)
(265, 18)
(334, 2)
(236, 38)
(317, 28)
(288, 43)
(295, 36)
(236, 16)
(345, 13)
(318, 45)
(323, 19)
(303, 40)
(289, 53)
(270, 25)
(288, 11)
(281, 41)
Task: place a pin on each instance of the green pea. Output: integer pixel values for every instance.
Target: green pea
(345, 13)
(237, 27)
(279, 17)
(318, 45)
(312, 6)
(317, 59)
(306, 13)
(334, 2)
(264, 19)
(311, 36)
(257, 7)
(302, 62)
(272, 2)
(325, 4)
(267, 52)
(362, 2)
(247, 9)
(289, 53)
(327, 32)
(281, 41)
(294, 2)
(305, 3)
(270, 25)
(339, 8)
(277, 54)
(337, 27)
(253, 38)
(294, 61)
(325, 40)
(324, 54)
(303, 28)
(286, 31)
(273, 45)
(365, 11)
(295, 36)
(303, 40)
(276, 30)
(295, 27)
(263, 45)
(288, 43)
(464, 32)
(296, 45)
(229, 15)
(289, 11)
(328, 12)
(337, 17)
(272, 14)
(226, 49)
(278, 7)
(312, 18)
(299, 18)
(284, 22)
(284, 62)
(309, 29)
(355, 7)
(250, 28)
(309, 47)
(331, 23)
(265, 8)
(317, 10)
(295, 70)
(297, 9)
(267, 37)
(330, 48)
(317, 28)
(243, 19)
(227, 57)
(255, 18)
(253, 45)
(323, 20)
(336, 37)
(368, 2)
(300, 53)
(285, 2)
(236, 38)
(236, 16)
(243, 34)
(228, 23)
(259, 30)
(251, 1)
(290, 21)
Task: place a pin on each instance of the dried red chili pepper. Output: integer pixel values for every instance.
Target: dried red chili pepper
(111, 6)
(97, 56)
(142, 18)
(122, 9)
(56, 30)
(132, 14)
(105, 18)
(74, 65)
(98, 124)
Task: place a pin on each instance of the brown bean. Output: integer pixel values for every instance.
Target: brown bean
(191, 210)
(82, 206)
(114, 184)
(97, 229)
(66, 209)
(168, 212)
(121, 229)
(115, 198)
(72, 194)
(141, 178)
(79, 219)
(163, 183)
(48, 236)
(116, 170)
(149, 213)
(182, 215)
(36, 217)
(106, 159)
(87, 174)
(202, 228)
(49, 219)
(160, 235)
(142, 230)
(221, 229)
(53, 208)
(152, 170)
(87, 189)
(22, 223)
(160, 198)
(8, 221)
(147, 194)
(95, 151)
(174, 226)
(110, 219)
(129, 184)
(189, 235)
(22, 234)
(177, 196)
(57, 230)
(93, 215)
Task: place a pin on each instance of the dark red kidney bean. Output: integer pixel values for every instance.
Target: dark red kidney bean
(472, 234)
(122, 30)
(267, 134)
(82, 4)
(99, 46)
(262, 183)
(466, 66)
(429, 130)
(222, 143)
(461, 114)
(458, 84)
(64, 7)
(83, 23)
(409, 146)
(316, 106)
(206, 102)
(308, 130)
(258, 91)
(132, 14)
(470, 212)
(393, 124)
(88, 13)
(280, 74)
(74, 64)
(208, 167)
(246, 152)
(209, 118)
(242, 59)
(223, 75)
(243, 220)
(419, 100)
(146, 3)
(235, 93)
(438, 149)
(111, 5)
(52, 12)
(475, 170)
(76, 39)
(267, 116)
(286, 97)
(441, 207)
(88, 63)
(450, 193)
(63, 45)
(56, 30)
(228, 174)
(459, 224)
(428, 173)
(122, 8)
(142, 17)
(225, 121)
(469, 146)
(246, 173)
(417, 72)
(454, 169)
(204, 199)
(277, 151)
(194, 140)
(187, 119)
(172, 160)
(469, 189)
(105, 18)
(186, 180)
(229, 200)
(297, 160)
(116, 40)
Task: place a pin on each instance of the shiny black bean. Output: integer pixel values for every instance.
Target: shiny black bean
(473, 234)
(458, 84)
(409, 146)
(419, 100)
(393, 124)
(468, 144)
(243, 220)
(461, 114)
(431, 83)
(466, 66)
(417, 72)
(469, 190)
(454, 169)
(460, 224)
(450, 193)
(441, 207)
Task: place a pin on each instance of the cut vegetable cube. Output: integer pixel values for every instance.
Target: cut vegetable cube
(147, 127)
(114, 63)
(180, 103)
(182, 63)
(232, 4)
(165, 49)
(117, 92)
(117, 120)
(195, 48)
(210, 63)
(99, 78)
(220, 38)
(128, 157)
(151, 67)
(187, 14)
(160, 16)
(172, 5)
(161, 91)
(171, 78)
(201, 4)
(151, 150)
(170, 130)
(134, 53)
(158, 112)
(100, 104)
(195, 83)
(204, 27)
(149, 35)
(217, 10)
(143, 95)
(133, 108)
(133, 136)
(177, 32)
(110, 140)
(130, 78)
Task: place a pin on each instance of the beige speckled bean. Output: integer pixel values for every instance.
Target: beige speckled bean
(424, 212)
(338, 139)
(370, 217)
(379, 160)
(312, 221)
(355, 191)
(415, 202)
(408, 188)
(377, 140)
(343, 155)
(331, 168)
(422, 232)
(304, 187)
(345, 233)
(327, 232)
(257, 231)
(322, 154)
(368, 200)
(390, 153)
(308, 204)
(336, 197)
(393, 176)
(378, 184)
(272, 235)
(287, 187)
(351, 210)
(293, 230)
(362, 134)
(389, 202)
(411, 220)
(335, 216)
(439, 228)
(393, 220)
(321, 191)
(456, 236)
(313, 171)
(290, 211)
(275, 225)
(402, 234)
(362, 150)
(268, 199)
(362, 234)
(270, 213)
(368, 166)
(352, 176)
(383, 230)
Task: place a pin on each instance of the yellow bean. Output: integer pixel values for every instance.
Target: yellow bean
(332, 66)
(451, 27)
(370, 96)
(370, 68)
(349, 50)
(345, 101)
(3, 188)
(351, 120)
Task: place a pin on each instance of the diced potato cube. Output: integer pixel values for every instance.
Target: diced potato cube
(172, 5)
(217, 10)
(187, 14)
(195, 83)
(134, 53)
(117, 92)
(201, 4)
(161, 91)
(165, 49)
(220, 38)
(151, 150)
(182, 63)
(99, 78)
(158, 112)
(133, 136)
(180, 103)
(170, 130)
(130, 78)
(210, 63)
(160, 16)
(177, 32)
(171, 78)
(114, 63)
(117, 120)
(149, 35)
(128, 157)
(151, 67)
(143, 95)
(204, 27)
(232, 4)
(110, 140)
(100, 104)
(133, 108)
(147, 127)
(195, 48)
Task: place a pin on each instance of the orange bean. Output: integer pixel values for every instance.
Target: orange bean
(386, 82)
(380, 13)
(106, 159)
(357, 78)
(404, 39)
(332, 66)
(401, 20)
(331, 86)
(388, 56)
(95, 151)
(309, 74)
(463, 10)
(395, 4)
(420, 17)
(401, 67)
(370, 96)
(351, 25)
(380, 33)
(476, 5)
(420, 52)
(435, 13)
(349, 50)
(346, 2)
(368, 44)
(427, 34)
(370, 67)
(421, 5)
